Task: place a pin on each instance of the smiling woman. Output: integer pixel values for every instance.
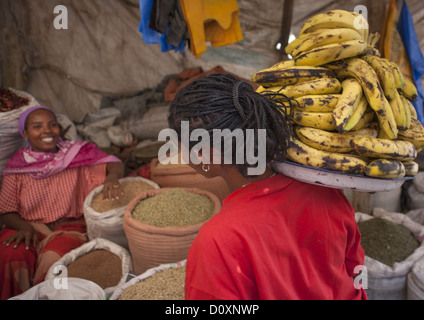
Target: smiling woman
(41, 130)
(41, 199)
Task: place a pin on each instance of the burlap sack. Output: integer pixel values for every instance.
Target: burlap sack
(99, 243)
(108, 225)
(147, 274)
(390, 282)
(151, 246)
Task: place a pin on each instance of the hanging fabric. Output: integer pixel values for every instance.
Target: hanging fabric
(214, 21)
(153, 36)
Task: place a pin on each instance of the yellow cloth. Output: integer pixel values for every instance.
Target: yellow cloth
(214, 21)
(391, 43)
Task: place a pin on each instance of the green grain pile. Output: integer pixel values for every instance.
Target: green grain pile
(174, 207)
(164, 285)
(386, 241)
(130, 188)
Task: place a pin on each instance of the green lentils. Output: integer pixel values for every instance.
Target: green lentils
(167, 284)
(386, 241)
(174, 207)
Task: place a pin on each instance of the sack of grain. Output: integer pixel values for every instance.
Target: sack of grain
(152, 245)
(414, 198)
(100, 261)
(416, 281)
(164, 282)
(183, 176)
(57, 289)
(104, 218)
(388, 282)
(10, 138)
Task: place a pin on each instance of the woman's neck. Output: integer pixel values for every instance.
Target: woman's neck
(235, 180)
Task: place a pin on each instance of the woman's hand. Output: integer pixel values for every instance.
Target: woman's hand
(25, 233)
(112, 190)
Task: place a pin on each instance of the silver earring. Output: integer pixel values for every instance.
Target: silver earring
(206, 167)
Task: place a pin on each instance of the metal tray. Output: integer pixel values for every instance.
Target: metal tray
(338, 180)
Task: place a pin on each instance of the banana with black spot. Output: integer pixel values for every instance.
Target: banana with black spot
(411, 168)
(385, 168)
(301, 153)
(332, 141)
(384, 148)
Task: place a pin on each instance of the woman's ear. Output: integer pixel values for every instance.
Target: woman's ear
(25, 134)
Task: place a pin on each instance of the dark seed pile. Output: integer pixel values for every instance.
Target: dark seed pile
(386, 241)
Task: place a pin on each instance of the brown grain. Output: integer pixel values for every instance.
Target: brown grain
(100, 266)
(131, 190)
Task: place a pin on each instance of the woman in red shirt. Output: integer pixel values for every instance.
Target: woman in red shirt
(275, 237)
(42, 196)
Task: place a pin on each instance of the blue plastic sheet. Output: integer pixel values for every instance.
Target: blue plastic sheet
(416, 59)
(151, 36)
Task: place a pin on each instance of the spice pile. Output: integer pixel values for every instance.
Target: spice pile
(100, 266)
(174, 207)
(386, 241)
(10, 101)
(164, 285)
(131, 190)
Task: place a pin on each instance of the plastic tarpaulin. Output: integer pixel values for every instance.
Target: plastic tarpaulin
(416, 59)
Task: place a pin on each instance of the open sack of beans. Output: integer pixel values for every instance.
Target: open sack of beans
(100, 261)
(392, 243)
(161, 224)
(183, 176)
(12, 104)
(164, 282)
(104, 218)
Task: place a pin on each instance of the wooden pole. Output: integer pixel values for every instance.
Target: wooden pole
(285, 28)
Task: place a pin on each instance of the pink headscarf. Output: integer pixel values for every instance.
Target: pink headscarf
(41, 165)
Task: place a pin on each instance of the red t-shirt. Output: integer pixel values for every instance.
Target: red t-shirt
(277, 239)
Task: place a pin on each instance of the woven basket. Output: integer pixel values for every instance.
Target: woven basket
(151, 246)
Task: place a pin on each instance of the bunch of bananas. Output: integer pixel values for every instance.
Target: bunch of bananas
(353, 110)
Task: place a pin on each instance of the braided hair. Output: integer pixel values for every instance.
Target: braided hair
(221, 101)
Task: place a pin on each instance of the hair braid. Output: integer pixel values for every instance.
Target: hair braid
(221, 101)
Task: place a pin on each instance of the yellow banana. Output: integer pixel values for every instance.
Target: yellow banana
(335, 19)
(371, 87)
(409, 106)
(330, 52)
(384, 148)
(384, 74)
(409, 90)
(411, 168)
(366, 119)
(349, 100)
(290, 75)
(399, 112)
(320, 38)
(318, 86)
(332, 141)
(414, 134)
(385, 168)
(357, 114)
(308, 156)
(319, 120)
(318, 102)
(397, 73)
(282, 64)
